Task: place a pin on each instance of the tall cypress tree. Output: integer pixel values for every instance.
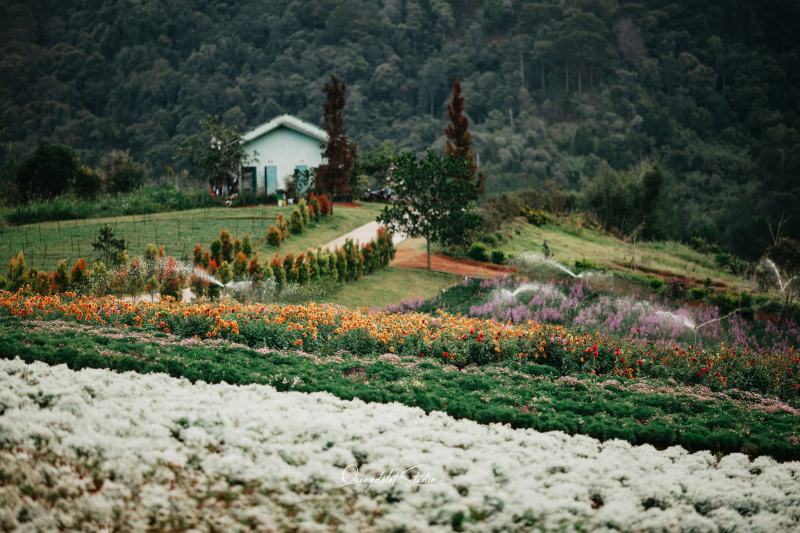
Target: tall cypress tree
(459, 139)
(333, 177)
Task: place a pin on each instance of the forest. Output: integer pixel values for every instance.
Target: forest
(569, 94)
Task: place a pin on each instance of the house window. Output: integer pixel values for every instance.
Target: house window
(250, 184)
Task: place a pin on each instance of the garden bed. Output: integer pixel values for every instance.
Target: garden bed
(99, 450)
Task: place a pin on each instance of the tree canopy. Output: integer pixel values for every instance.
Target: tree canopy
(434, 199)
(558, 91)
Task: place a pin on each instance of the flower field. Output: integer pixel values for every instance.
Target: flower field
(583, 306)
(460, 340)
(99, 450)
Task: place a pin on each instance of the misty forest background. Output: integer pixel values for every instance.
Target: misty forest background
(572, 93)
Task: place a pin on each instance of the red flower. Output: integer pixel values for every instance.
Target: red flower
(639, 362)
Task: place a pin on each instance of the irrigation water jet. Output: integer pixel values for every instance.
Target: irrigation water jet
(532, 258)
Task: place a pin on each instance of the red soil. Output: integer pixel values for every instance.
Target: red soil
(442, 263)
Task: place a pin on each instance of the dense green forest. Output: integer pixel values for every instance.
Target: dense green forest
(565, 91)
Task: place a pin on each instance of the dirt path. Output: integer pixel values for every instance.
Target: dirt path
(410, 258)
(362, 234)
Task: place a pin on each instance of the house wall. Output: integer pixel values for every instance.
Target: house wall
(283, 148)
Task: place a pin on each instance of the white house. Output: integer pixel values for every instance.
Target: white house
(276, 149)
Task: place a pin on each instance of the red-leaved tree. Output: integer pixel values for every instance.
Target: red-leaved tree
(333, 176)
(459, 139)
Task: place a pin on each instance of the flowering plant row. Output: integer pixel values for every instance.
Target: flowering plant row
(97, 450)
(461, 340)
(587, 306)
(228, 259)
(347, 263)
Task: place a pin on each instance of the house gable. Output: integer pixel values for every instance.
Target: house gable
(276, 149)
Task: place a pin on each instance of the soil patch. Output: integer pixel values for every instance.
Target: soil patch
(442, 263)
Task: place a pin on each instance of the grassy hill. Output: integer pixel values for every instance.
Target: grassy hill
(570, 243)
(391, 286)
(47, 243)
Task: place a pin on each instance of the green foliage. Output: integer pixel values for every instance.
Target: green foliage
(375, 163)
(142, 201)
(478, 251)
(16, 272)
(111, 250)
(50, 171)
(436, 199)
(296, 225)
(122, 173)
(498, 257)
(537, 217)
(556, 90)
(216, 153)
(273, 236)
(523, 394)
(624, 200)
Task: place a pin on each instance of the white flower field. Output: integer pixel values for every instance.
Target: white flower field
(96, 450)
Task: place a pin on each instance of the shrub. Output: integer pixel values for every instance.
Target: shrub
(324, 204)
(288, 265)
(278, 273)
(122, 173)
(303, 208)
(87, 183)
(296, 221)
(247, 246)
(341, 265)
(239, 265)
(78, 277)
(171, 281)
(256, 271)
(478, 252)
(313, 203)
(489, 239)
(216, 251)
(273, 236)
(302, 270)
(227, 245)
(697, 293)
(16, 272)
(60, 280)
(40, 283)
(111, 249)
(283, 226)
(537, 217)
(50, 171)
(584, 264)
(386, 250)
(498, 257)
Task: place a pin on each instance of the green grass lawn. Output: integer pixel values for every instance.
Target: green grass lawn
(519, 393)
(46, 243)
(389, 286)
(569, 244)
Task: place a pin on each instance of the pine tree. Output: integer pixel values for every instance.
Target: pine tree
(333, 177)
(459, 139)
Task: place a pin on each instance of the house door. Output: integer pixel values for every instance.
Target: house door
(302, 181)
(251, 173)
(271, 172)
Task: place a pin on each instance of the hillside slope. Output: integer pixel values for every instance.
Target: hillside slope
(556, 90)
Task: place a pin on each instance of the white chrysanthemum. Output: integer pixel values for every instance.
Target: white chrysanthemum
(95, 449)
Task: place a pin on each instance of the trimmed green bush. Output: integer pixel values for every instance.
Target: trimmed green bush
(478, 251)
